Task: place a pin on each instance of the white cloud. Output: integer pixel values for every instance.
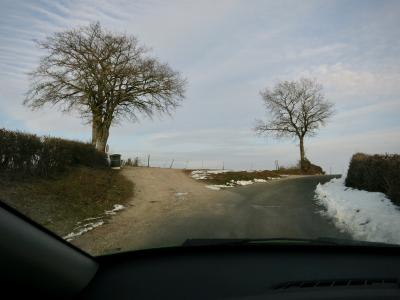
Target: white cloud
(303, 53)
(229, 50)
(349, 81)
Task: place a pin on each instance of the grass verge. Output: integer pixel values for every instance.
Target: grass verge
(58, 203)
(223, 178)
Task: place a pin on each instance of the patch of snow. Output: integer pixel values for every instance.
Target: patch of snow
(180, 196)
(213, 187)
(217, 187)
(89, 219)
(259, 180)
(199, 174)
(244, 182)
(233, 183)
(203, 174)
(117, 207)
(82, 229)
(368, 216)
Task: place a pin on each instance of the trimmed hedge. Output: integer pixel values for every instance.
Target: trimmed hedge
(29, 154)
(375, 173)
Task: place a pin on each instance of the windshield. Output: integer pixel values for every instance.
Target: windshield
(128, 125)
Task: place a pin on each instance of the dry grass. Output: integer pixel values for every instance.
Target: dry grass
(226, 177)
(223, 178)
(59, 202)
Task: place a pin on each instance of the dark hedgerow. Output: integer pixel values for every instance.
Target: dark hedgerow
(375, 173)
(29, 154)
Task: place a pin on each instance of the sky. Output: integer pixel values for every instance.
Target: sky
(228, 51)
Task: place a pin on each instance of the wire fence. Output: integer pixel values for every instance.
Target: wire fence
(179, 162)
(151, 160)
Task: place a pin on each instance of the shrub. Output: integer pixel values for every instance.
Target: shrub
(29, 154)
(375, 173)
(309, 169)
(132, 163)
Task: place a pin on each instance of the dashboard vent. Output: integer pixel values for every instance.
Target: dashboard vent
(337, 283)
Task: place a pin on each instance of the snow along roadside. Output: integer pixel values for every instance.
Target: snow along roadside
(233, 183)
(367, 216)
(204, 174)
(91, 223)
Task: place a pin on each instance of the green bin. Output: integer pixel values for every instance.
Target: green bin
(115, 160)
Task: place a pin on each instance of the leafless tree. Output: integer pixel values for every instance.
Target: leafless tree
(105, 77)
(297, 108)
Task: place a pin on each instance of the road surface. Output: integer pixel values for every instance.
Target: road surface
(169, 207)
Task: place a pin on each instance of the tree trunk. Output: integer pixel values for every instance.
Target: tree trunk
(102, 133)
(94, 131)
(302, 154)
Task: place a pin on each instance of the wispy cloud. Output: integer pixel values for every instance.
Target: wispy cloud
(229, 51)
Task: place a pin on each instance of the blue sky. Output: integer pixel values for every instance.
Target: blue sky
(228, 51)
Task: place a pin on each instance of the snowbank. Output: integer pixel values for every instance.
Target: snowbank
(367, 216)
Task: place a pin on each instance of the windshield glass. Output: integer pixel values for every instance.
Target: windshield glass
(129, 125)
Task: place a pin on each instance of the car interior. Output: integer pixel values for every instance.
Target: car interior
(38, 263)
(200, 149)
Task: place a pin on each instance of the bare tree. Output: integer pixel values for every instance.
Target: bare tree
(298, 109)
(105, 77)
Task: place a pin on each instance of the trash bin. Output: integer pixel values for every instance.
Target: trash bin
(115, 161)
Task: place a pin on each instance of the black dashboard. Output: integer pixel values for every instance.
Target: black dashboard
(37, 264)
(249, 272)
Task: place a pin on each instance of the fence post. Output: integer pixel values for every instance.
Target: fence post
(148, 160)
(172, 163)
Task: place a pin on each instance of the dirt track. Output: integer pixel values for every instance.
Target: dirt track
(162, 196)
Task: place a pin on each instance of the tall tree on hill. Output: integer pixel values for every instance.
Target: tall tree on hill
(104, 76)
(297, 109)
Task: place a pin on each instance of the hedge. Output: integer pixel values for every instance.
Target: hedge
(29, 154)
(375, 173)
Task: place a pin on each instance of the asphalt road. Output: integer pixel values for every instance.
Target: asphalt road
(179, 208)
(281, 209)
